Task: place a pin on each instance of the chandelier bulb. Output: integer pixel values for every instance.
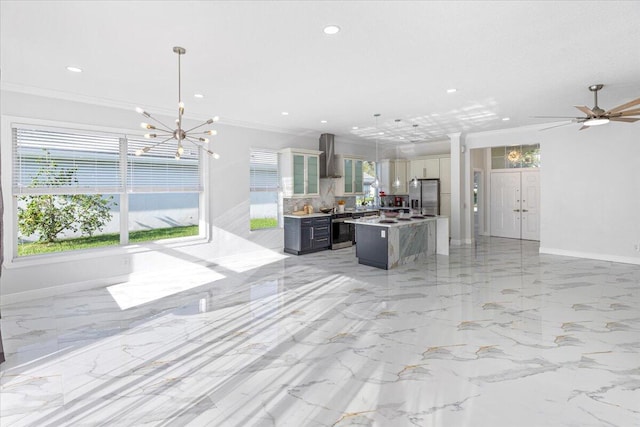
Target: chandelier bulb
(205, 140)
(139, 110)
(177, 156)
(139, 152)
(180, 150)
(150, 135)
(211, 132)
(216, 118)
(215, 155)
(147, 126)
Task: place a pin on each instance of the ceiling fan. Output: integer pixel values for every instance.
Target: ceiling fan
(597, 116)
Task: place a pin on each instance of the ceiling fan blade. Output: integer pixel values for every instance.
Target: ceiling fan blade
(628, 113)
(624, 119)
(586, 110)
(557, 117)
(624, 106)
(556, 126)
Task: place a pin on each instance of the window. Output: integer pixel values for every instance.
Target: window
(263, 192)
(515, 156)
(164, 193)
(369, 192)
(77, 189)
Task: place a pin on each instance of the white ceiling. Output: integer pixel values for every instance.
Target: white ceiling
(254, 60)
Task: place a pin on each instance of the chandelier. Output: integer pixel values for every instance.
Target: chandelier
(179, 134)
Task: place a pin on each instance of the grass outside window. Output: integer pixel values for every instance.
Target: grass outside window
(262, 223)
(103, 240)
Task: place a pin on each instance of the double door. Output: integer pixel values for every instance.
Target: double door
(515, 204)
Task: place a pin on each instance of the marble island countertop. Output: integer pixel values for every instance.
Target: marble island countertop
(393, 222)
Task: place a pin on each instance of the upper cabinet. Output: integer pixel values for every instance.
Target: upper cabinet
(350, 170)
(299, 172)
(388, 171)
(424, 168)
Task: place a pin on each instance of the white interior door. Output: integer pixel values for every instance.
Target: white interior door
(530, 205)
(505, 204)
(515, 204)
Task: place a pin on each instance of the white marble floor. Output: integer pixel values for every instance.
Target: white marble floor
(493, 335)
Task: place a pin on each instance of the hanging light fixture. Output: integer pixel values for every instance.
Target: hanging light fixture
(179, 134)
(376, 182)
(396, 182)
(414, 181)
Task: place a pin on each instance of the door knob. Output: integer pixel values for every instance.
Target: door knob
(525, 210)
(516, 210)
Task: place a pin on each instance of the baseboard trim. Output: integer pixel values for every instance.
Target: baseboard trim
(590, 255)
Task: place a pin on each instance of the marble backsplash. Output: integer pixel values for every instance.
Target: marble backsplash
(327, 199)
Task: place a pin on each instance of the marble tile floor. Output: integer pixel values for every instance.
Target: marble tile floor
(493, 335)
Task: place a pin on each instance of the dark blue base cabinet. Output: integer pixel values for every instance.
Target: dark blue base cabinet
(306, 235)
(372, 247)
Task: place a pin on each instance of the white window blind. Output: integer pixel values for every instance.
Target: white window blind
(56, 161)
(264, 170)
(69, 161)
(159, 171)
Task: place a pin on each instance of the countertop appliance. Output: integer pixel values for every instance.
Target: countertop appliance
(425, 196)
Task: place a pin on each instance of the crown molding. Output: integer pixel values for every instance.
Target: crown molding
(123, 105)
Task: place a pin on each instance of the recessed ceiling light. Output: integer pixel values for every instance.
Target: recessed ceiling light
(323, 121)
(452, 90)
(331, 29)
(198, 95)
(74, 69)
(285, 113)
(355, 128)
(506, 119)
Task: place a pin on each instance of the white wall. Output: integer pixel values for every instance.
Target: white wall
(590, 192)
(590, 187)
(228, 201)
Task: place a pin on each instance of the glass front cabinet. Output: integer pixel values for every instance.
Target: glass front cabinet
(299, 172)
(351, 180)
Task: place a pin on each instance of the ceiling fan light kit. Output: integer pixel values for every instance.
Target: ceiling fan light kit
(179, 134)
(596, 116)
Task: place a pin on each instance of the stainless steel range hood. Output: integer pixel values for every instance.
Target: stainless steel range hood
(328, 163)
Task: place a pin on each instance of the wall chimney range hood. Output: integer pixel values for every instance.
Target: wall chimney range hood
(328, 163)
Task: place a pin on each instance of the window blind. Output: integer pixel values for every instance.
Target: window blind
(159, 171)
(264, 170)
(57, 161)
(68, 161)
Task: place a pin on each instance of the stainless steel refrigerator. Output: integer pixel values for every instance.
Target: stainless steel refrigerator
(425, 196)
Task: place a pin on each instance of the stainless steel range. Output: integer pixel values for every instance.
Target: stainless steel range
(341, 231)
(343, 235)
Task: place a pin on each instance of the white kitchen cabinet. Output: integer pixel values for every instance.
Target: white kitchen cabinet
(351, 176)
(299, 172)
(445, 174)
(417, 168)
(388, 171)
(432, 167)
(424, 168)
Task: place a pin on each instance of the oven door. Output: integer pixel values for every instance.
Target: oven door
(341, 234)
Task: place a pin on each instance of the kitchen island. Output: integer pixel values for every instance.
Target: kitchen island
(389, 242)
